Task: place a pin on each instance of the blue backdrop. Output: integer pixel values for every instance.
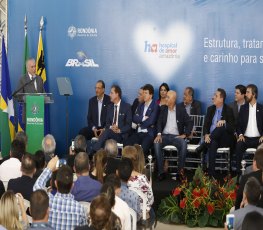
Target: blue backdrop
(205, 44)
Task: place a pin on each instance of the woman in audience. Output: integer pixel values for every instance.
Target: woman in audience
(100, 160)
(101, 216)
(137, 180)
(10, 204)
(163, 89)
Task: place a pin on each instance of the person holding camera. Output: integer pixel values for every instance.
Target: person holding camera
(59, 204)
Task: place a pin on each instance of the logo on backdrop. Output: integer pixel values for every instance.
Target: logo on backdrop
(82, 32)
(163, 51)
(82, 60)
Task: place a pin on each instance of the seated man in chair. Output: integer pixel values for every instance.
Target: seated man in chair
(173, 126)
(218, 128)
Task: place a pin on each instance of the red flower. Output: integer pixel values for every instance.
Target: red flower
(204, 192)
(196, 192)
(210, 208)
(196, 203)
(183, 203)
(176, 191)
(233, 195)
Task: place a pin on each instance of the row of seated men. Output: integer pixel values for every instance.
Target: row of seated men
(147, 122)
(121, 181)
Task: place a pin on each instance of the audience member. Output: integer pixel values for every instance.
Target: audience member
(120, 208)
(80, 145)
(39, 210)
(145, 120)
(252, 221)
(250, 125)
(101, 216)
(97, 112)
(40, 162)
(173, 126)
(22, 136)
(124, 171)
(111, 149)
(49, 147)
(85, 188)
(60, 217)
(251, 195)
(100, 161)
(25, 183)
(10, 168)
(163, 89)
(10, 206)
(138, 181)
(258, 157)
(118, 121)
(218, 128)
(192, 106)
(2, 189)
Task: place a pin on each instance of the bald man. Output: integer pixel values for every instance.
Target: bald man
(173, 126)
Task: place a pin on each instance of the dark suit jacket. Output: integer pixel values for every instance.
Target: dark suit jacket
(134, 106)
(184, 122)
(30, 88)
(195, 107)
(93, 112)
(23, 185)
(258, 176)
(234, 107)
(152, 113)
(124, 118)
(227, 115)
(243, 119)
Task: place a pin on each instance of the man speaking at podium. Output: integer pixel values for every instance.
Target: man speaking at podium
(27, 84)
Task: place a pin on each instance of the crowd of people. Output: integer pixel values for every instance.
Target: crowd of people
(56, 190)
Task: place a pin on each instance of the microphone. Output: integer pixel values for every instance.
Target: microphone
(27, 83)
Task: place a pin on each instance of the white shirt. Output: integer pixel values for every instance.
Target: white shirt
(118, 109)
(122, 210)
(252, 128)
(171, 124)
(100, 102)
(35, 82)
(10, 169)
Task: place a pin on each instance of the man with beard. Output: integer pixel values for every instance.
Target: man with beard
(250, 124)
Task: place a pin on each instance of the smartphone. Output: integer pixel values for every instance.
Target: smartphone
(73, 145)
(61, 162)
(230, 218)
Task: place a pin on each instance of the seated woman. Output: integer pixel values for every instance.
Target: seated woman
(100, 160)
(10, 206)
(163, 89)
(137, 180)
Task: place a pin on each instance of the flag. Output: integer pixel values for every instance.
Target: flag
(21, 125)
(7, 122)
(41, 71)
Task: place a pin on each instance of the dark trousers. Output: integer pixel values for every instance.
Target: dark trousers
(143, 139)
(179, 143)
(107, 134)
(219, 138)
(241, 146)
(87, 133)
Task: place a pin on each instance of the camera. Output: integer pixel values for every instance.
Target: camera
(230, 218)
(72, 145)
(61, 162)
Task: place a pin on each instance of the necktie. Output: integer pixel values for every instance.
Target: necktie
(115, 114)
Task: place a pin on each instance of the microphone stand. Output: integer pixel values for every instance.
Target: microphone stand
(27, 83)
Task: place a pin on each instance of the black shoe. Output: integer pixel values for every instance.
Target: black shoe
(200, 148)
(161, 177)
